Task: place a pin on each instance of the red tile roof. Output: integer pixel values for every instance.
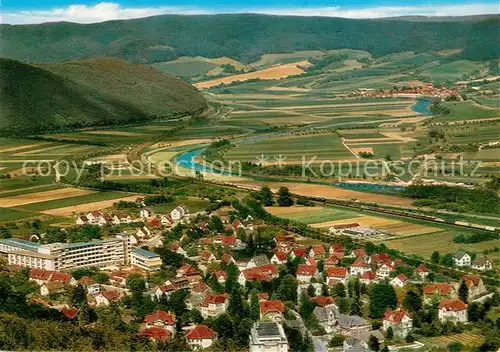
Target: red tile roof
(70, 312)
(381, 257)
(336, 272)
(395, 316)
(228, 240)
(443, 289)
(166, 318)
(337, 247)
(214, 299)
(155, 222)
(345, 226)
(368, 275)
(360, 263)
(452, 305)
(471, 280)
(402, 277)
(201, 332)
(63, 278)
(205, 255)
(304, 269)
(271, 306)
(167, 288)
(331, 260)
(323, 301)
(299, 252)
(318, 250)
(226, 257)
(201, 287)
(263, 296)
(39, 274)
(220, 273)
(156, 333)
(282, 256)
(421, 269)
(359, 252)
(111, 295)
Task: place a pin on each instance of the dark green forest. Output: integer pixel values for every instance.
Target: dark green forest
(245, 37)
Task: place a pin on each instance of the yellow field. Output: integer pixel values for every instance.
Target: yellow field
(362, 150)
(389, 226)
(20, 147)
(66, 211)
(277, 72)
(467, 338)
(115, 133)
(23, 199)
(291, 210)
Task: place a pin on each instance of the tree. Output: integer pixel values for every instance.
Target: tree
(435, 257)
(236, 307)
(223, 325)
(101, 277)
(284, 197)
(455, 346)
(311, 292)
(78, 296)
(339, 290)
(447, 260)
(266, 196)
(287, 289)
(232, 277)
(463, 292)
(389, 334)
(412, 302)
(242, 332)
(336, 341)
(383, 297)
(356, 306)
(216, 224)
(84, 314)
(254, 307)
(343, 305)
(373, 343)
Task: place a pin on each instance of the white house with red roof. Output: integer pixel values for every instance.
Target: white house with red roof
(143, 232)
(330, 262)
(368, 277)
(453, 310)
(161, 290)
(399, 281)
(298, 252)
(272, 310)
(323, 301)
(201, 336)
(279, 258)
(337, 275)
(220, 276)
(358, 252)
(207, 257)
(436, 291)
(385, 270)
(175, 246)
(380, 258)
(162, 319)
(228, 258)
(474, 285)
(155, 333)
(214, 305)
(317, 252)
(104, 298)
(306, 272)
(40, 276)
(166, 220)
(261, 273)
(400, 322)
(422, 272)
(359, 267)
(336, 248)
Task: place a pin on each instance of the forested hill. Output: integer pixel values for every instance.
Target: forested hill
(37, 98)
(245, 37)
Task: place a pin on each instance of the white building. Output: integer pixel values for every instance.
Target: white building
(400, 322)
(461, 259)
(201, 336)
(482, 264)
(178, 212)
(453, 310)
(146, 260)
(268, 337)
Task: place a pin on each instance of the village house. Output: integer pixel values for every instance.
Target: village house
(162, 319)
(81, 220)
(400, 322)
(330, 262)
(437, 291)
(90, 285)
(399, 281)
(336, 248)
(70, 312)
(359, 267)
(356, 253)
(207, 257)
(323, 301)
(453, 310)
(228, 258)
(166, 220)
(279, 258)
(298, 252)
(385, 270)
(201, 336)
(380, 259)
(482, 264)
(175, 246)
(337, 229)
(163, 290)
(349, 325)
(40, 276)
(359, 232)
(143, 233)
(155, 333)
(257, 261)
(474, 285)
(144, 213)
(272, 310)
(285, 242)
(462, 259)
(361, 341)
(422, 272)
(306, 272)
(317, 252)
(189, 272)
(220, 276)
(326, 317)
(268, 336)
(104, 298)
(337, 275)
(52, 288)
(214, 305)
(262, 273)
(178, 212)
(367, 277)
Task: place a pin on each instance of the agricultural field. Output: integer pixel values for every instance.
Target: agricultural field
(313, 215)
(466, 111)
(468, 339)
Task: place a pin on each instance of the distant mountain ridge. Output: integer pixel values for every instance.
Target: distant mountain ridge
(97, 92)
(245, 37)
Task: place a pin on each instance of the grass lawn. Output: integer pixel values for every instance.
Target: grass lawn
(11, 184)
(193, 205)
(466, 110)
(67, 202)
(321, 215)
(10, 214)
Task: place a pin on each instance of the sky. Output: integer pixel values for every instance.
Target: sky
(88, 11)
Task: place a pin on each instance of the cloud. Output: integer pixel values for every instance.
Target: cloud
(106, 11)
(103, 11)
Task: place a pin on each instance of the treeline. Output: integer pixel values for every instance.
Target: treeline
(476, 237)
(458, 199)
(319, 64)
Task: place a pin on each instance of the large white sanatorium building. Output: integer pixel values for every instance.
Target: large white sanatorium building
(70, 256)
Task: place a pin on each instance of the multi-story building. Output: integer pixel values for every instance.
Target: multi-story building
(70, 256)
(453, 310)
(400, 322)
(268, 337)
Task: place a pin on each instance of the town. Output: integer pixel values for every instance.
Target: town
(228, 279)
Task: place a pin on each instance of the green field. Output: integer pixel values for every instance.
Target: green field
(321, 215)
(185, 68)
(452, 71)
(466, 110)
(10, 214)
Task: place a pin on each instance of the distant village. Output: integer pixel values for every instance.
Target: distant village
(316, 288)
(427, 90)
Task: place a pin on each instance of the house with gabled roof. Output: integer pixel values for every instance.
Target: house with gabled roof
(162, 290)
(323, 301)
(330, 262)
(337, 275)
(40, 276)
(438, 291)
(336, 248)
(214, 305)
(298, 252)
(70, 312)
(272, 310)
(306, 272)
(368, 277)
(453, 310)
(175, 246)
(359, 266)
(279, 258)
(143, 233)
(400, 322)
(317, 252)
(155, 333)
(104, 298)
(178, 212)
(201, 336)
(162, 319)
(207, 256)
(422, 272)
(482, 264)
(462, 258)
(228, 258)
(474, 285)
(357, 252)
(385, 270)
(399, 281)
(220, 276)
(63, 278)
